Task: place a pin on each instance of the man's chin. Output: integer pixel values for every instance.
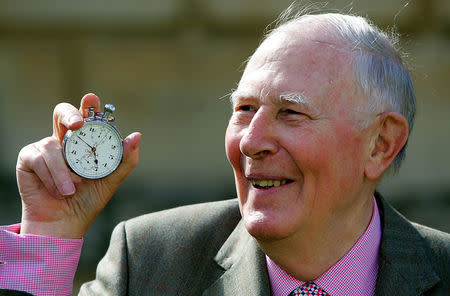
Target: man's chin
(265, 229)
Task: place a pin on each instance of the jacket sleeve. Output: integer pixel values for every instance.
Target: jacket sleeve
(112, 271)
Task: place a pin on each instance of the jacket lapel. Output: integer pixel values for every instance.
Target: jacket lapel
(404, 266)
(245, 267)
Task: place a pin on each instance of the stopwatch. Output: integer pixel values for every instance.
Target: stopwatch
(95, 150)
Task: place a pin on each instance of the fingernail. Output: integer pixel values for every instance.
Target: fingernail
(67, 188)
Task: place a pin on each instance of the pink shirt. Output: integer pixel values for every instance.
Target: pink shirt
(37, 264)
(353, 274)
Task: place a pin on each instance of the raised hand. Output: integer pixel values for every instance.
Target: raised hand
(55, 201)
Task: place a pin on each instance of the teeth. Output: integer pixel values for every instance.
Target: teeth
(268, 183)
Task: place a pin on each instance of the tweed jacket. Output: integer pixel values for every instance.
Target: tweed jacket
(205, 250)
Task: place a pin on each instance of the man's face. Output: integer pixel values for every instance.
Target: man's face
(296, 150)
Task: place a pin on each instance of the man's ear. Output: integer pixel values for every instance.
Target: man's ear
(391, 136)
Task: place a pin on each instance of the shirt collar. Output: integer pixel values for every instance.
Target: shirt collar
(353, 274)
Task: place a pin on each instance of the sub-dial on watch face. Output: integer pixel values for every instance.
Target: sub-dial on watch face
(93, 151)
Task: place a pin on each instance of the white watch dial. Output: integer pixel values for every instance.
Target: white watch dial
(93, 151)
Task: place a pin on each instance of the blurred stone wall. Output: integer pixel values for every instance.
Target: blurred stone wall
(168, 67)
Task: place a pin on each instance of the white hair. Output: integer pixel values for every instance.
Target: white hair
(380, 72)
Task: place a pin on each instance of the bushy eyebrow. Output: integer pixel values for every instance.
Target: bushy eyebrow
(235, 94)
(299, 99)
(288, 97)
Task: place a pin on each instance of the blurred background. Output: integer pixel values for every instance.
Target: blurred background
(169, 66)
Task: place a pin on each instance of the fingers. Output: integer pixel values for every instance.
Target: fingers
(31, 164)
(129, 160)
(52, 153)
(65, 116)
(89, 100)
(45, 160)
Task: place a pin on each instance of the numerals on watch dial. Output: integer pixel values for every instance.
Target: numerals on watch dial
(94, 151)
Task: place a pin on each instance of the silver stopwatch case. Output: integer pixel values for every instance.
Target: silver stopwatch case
(95, 150)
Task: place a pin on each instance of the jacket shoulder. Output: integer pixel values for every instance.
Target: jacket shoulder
(414, 259)
(191, 219)
(437, 239)
(439, 245)
(175, 248)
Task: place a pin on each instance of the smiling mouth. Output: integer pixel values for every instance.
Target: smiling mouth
(264, 184)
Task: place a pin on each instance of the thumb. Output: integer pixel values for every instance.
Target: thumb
(130, 159)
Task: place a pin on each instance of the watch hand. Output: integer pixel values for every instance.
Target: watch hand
(85, 143)
(101, 141)
(92, 152)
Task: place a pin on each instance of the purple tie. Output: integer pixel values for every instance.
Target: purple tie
(309, 288)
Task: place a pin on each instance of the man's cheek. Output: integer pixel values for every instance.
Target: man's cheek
(232, 149)
(351, 148)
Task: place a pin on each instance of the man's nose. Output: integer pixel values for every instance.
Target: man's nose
(259, 137)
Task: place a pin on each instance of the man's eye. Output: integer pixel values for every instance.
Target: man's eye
(292, 112)
(245, 108)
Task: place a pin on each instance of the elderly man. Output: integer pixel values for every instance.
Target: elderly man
(322, 112)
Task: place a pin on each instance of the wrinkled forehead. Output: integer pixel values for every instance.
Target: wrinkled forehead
(302, 62)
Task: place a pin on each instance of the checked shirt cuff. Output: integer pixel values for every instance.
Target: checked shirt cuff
(36, 264)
